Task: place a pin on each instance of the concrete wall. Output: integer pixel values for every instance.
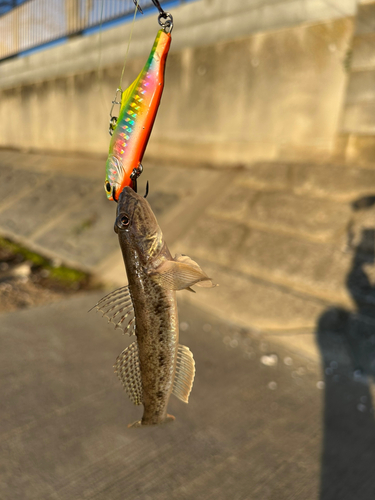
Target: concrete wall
(245, 80)
(357, 139)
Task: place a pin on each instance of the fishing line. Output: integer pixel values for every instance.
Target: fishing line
(113, 119)
(99, 73)
(127, 49)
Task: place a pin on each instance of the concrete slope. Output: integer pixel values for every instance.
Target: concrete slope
(284, 241)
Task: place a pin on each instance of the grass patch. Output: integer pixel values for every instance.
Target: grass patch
(63, 275)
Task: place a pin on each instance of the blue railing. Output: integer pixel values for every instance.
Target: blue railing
(38, 22)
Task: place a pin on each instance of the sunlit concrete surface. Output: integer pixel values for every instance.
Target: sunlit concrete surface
(285, 241)
(65, 416)
(262, 423)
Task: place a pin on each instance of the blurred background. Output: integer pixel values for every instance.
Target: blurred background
(261, 167)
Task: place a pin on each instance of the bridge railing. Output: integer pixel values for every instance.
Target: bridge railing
(37, 22)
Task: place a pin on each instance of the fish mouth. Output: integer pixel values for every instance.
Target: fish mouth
(127, 193)
(114, 194)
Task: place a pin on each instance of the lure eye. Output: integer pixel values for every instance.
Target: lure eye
(107, 187)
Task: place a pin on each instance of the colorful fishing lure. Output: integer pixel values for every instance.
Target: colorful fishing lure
(139, 105)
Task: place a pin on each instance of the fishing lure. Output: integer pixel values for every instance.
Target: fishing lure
(139, 105)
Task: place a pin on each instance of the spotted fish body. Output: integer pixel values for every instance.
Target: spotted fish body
(139, 105)
(155, 365)
(157, 335)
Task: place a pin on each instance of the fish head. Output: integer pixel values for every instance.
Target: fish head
(114, 177)
(136, 225)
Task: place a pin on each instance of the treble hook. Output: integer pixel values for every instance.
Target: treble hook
(113, 119)
(135, 174)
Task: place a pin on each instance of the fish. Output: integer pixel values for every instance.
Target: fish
(139, 106)
(155, 365)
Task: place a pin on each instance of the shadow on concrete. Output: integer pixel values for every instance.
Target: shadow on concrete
(347, 344)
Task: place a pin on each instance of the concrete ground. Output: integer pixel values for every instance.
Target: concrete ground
(261, 423)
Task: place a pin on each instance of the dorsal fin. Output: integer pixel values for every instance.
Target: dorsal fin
(185, 372)
(117, 306)
(128, 371)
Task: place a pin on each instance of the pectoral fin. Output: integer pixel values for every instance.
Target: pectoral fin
(185, 372)
(128, 371)
(187, 260)
(180, 274)
(117, 306)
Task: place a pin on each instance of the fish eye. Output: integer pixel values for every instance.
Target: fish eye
(107, 187)
(124, 220)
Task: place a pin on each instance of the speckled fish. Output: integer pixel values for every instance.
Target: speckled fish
(139, 105)
(155, 365)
